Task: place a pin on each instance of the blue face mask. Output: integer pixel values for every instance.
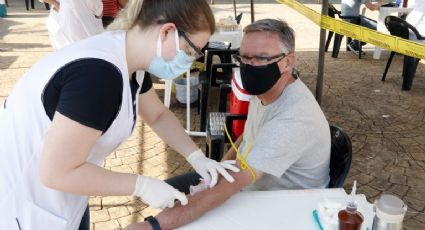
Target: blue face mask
(168, 70)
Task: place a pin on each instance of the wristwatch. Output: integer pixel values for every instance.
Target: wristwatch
(153, 222)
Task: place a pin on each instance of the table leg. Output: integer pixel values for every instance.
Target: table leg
(188, 101)
(383, 13)
(377, 53)
(252, 11)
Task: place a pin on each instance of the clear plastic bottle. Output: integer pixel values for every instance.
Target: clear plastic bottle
(350, 218)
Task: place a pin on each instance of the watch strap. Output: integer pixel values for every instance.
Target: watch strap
(153, 222)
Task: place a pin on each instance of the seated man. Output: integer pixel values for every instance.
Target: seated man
(352, 8)
(286, 137)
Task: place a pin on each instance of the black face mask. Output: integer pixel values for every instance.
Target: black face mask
(257, 80)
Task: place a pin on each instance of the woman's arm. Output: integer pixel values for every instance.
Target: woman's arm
(164, 123)
(64, 167)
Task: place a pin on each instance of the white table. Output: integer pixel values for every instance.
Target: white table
(383, 13)
(287, 209)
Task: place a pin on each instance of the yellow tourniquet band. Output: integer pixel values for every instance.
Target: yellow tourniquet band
(242, 158)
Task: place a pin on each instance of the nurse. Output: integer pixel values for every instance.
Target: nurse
(71, 21)
(77, 105)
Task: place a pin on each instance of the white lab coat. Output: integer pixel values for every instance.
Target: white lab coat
(23, 126)
(76, 20)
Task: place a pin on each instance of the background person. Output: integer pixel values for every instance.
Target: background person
(70, 21)
(352, 8)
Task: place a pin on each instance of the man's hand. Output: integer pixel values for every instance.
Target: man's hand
(53, 4)
(156, 193)
(373, 6)
(208, 168)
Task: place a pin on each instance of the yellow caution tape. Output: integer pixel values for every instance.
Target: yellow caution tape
(357, 32)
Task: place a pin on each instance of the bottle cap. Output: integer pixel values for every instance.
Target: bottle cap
(390, 204)
(352, 206)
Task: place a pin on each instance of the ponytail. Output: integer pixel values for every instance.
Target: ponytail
(128, 16)
(189, 15)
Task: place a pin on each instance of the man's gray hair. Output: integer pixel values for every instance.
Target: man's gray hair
(280, 27)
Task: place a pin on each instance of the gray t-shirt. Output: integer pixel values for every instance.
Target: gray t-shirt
(290, 141)
(352, 7)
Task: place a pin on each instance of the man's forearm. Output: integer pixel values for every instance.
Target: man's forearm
(231, 153)
(198, 205)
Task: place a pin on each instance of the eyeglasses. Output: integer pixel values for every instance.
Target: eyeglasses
(196, 53)
(258, 60)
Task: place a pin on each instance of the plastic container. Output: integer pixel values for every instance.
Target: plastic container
(3, 10)
(390, 211)
(181, 90)
(349, 218)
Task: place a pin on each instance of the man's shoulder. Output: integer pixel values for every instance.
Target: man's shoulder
(297, 93)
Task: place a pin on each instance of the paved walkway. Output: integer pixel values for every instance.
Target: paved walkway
(385, 123)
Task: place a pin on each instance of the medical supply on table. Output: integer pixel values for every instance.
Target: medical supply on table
(317, 219)
(349, 218)
(389, 213)
(327, 211)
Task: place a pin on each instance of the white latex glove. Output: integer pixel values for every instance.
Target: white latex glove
(156, 193)
(207, 168)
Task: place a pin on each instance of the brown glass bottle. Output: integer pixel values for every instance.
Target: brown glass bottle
(350, 218)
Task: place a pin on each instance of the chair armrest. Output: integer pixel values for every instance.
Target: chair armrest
(215, 67)
(212, 52)
(415, 31)
(332, 10)
(229, 124)
(225, 89)
(353, 19)
(403, 23)
(373, 20)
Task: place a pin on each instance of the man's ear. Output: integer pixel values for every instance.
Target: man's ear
(288, 63)
(166, 29)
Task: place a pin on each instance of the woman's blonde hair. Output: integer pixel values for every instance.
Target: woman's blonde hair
(188, 15)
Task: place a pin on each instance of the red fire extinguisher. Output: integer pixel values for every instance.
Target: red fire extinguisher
(239, 102)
